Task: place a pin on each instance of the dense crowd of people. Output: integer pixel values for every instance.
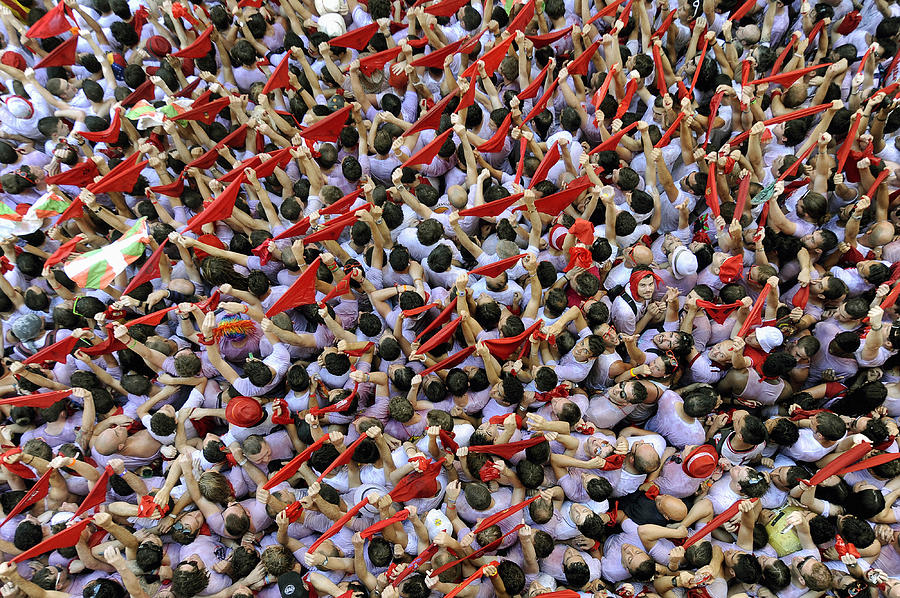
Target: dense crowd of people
(382, 299)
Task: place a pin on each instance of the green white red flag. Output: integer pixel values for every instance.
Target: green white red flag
(97, 269)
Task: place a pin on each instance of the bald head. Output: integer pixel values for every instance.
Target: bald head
(457, 196)
(641, 255)
(671, 508)
(881, 233)
(107, 442)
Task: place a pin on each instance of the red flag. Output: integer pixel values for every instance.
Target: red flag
(844, 152)
(41, 400)
(343, 204)
(607, 10)
(625, 103)
(291, 467)
(445, 8)
(328, 128)
(341, 288)
(717, 522)
(429, 152)
(713, 110)
(301, 292)
(108, 345)
(62, 55)
(754, 316)
(176, 187)
(340, 523)
(199, 48)
(431, 119)
(336, 226)
(803, 112)
(79, 175)
(843, 460)
(373, 529)
(891, 298)
(66, 538)
(559, 201)
(376, 62)
(491, 59)
(55, 22)
(121, 178)
(452, 361)
(297, 229)
(535, 85)
(356, 39)
(509, 449)
(493, 208)
(152, 319)
(502, 348)
(613, 141)
(501, 515)
(579, 66)
(743, 194)
(871, 462)
(789, 78)
(57, 352)
(436, 59)
(144, 91)
(549, 161)
(442, 336)
(776, 68)
(477, 575)
(522, 18)
(97, 495)
(704, 46)
(540, 41)
(64, 251)
(149, 271)
(219, 208)
(37, 492)
(253, 162)
(498, 139)
(75, 210)
(801, 297)
(712, 191)
(279, 78)
(469, 98)
(661, 86)
(187, 90)
(667, 22)
(498, 268)
(418, 484)
(520, 165)
(342, 459)
(719, 313)
(277, 159)
(440, 319)
(541, 104)
(207, 112)
(108, 135)
(792, 169)
(664, 140)
(743, 10)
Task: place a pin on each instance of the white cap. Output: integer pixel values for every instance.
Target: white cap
(61, 517)
(366, 490)
(437, 522)
(332, 24)
(546, 581)
(769, 337)
(684, 263)
(324, 7)
(19, 107)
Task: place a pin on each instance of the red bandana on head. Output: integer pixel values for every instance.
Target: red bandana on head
(637, 277)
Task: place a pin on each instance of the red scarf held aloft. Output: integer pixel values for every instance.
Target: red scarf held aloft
(418, 484)
(509, 449)
(340, 523)
(717, 522)
(292, 466)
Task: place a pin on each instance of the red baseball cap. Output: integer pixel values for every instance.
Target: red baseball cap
(702, 462)
(244, 412)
